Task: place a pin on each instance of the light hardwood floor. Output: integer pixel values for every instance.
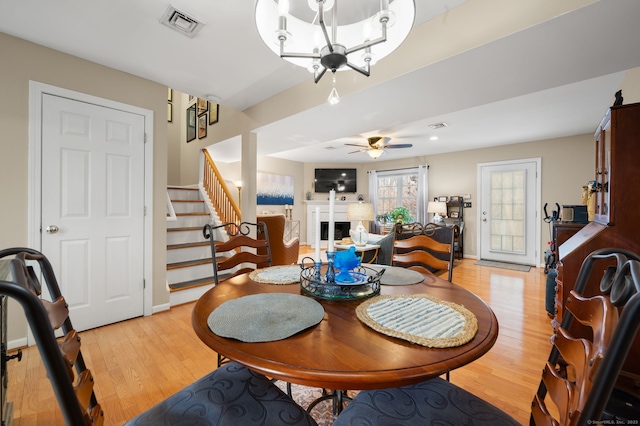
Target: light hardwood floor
(139, 362)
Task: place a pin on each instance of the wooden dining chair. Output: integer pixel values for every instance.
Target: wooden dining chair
(577, 380)
(425, 248)
(230, 395)
(72, 381)
(240, 252)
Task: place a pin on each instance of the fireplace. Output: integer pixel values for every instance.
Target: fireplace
(341, 230)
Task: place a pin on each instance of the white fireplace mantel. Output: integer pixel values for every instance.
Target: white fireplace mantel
(339, 215)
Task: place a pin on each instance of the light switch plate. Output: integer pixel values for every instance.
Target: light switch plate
(467, 205)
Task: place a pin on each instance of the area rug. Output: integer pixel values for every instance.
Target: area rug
(304, 396)
(504, 265)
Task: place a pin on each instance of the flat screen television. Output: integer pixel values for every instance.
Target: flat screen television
(342, 180)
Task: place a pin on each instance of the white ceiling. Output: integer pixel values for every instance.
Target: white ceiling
(550, 80)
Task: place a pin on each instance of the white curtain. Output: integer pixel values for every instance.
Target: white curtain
(373, 199)
(373, 190)
(423, 194)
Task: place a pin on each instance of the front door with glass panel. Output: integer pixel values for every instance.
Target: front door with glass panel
(509, 199)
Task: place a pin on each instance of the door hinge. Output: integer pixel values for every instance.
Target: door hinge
(145, 138)
(144, 283)
(144, 211)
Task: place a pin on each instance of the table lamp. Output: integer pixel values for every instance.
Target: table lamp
(360, 212)
(437, 208)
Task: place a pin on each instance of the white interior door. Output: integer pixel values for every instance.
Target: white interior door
(509, 200)
(93, 208)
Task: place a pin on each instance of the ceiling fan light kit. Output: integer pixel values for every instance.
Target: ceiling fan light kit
(378, 146)
(313, 34)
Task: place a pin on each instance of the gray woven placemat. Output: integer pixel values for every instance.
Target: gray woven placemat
(420, 319)
(265, 317)
(394, 275)
(287, 274)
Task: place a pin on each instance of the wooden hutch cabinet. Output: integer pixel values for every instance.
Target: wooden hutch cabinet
(615, 224)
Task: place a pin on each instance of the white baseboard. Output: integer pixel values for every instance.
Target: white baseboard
(188, 295)
(160, 308)
(18, 343)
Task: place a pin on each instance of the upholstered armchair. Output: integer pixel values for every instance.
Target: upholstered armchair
(282, 252)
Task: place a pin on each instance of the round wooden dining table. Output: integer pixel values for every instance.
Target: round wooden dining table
(341, 352)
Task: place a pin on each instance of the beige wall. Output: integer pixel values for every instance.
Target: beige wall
(174, 139)
(567, 164)
(23, 61)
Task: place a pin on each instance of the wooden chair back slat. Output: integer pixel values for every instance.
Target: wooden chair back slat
(84, 388)
(561, 391)
(241, 252)
(422, 257)
(70, 346)
(429, 247)
(57, 310)
(540, 415)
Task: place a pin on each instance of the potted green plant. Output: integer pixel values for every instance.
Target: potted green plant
(400, 214)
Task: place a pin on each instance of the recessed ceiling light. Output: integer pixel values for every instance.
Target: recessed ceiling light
(433, 138)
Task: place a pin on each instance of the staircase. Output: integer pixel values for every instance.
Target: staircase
(189, 267)
(189, 263)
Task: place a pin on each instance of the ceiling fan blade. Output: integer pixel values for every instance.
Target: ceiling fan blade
(356, 144)
(399, 145)
(353, 152)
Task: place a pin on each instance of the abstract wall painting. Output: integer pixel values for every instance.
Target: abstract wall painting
(274, 189)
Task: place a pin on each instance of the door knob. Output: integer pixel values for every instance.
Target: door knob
(52, 229)
(484, 219)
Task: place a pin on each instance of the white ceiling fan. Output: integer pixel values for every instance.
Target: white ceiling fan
(378, 146)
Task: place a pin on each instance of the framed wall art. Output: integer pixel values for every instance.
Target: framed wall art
(202, 126)
(203, 106)
(274, 189)
(191, 123)
(214, 110)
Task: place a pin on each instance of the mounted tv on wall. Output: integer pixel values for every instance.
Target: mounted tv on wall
(342, 180)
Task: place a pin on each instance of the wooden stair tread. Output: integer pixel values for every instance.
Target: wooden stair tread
(187, 245)
(193, 228)
(184, 285)
(186, 188)
(187, 263)
(193, 214)
(187, 201)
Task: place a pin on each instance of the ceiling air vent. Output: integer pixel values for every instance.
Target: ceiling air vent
(181, 22)
(438, 125)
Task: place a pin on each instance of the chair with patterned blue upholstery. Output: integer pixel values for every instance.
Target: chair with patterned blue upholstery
(230, 395)
(577, 381)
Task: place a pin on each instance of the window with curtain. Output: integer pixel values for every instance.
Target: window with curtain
(398, 188)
